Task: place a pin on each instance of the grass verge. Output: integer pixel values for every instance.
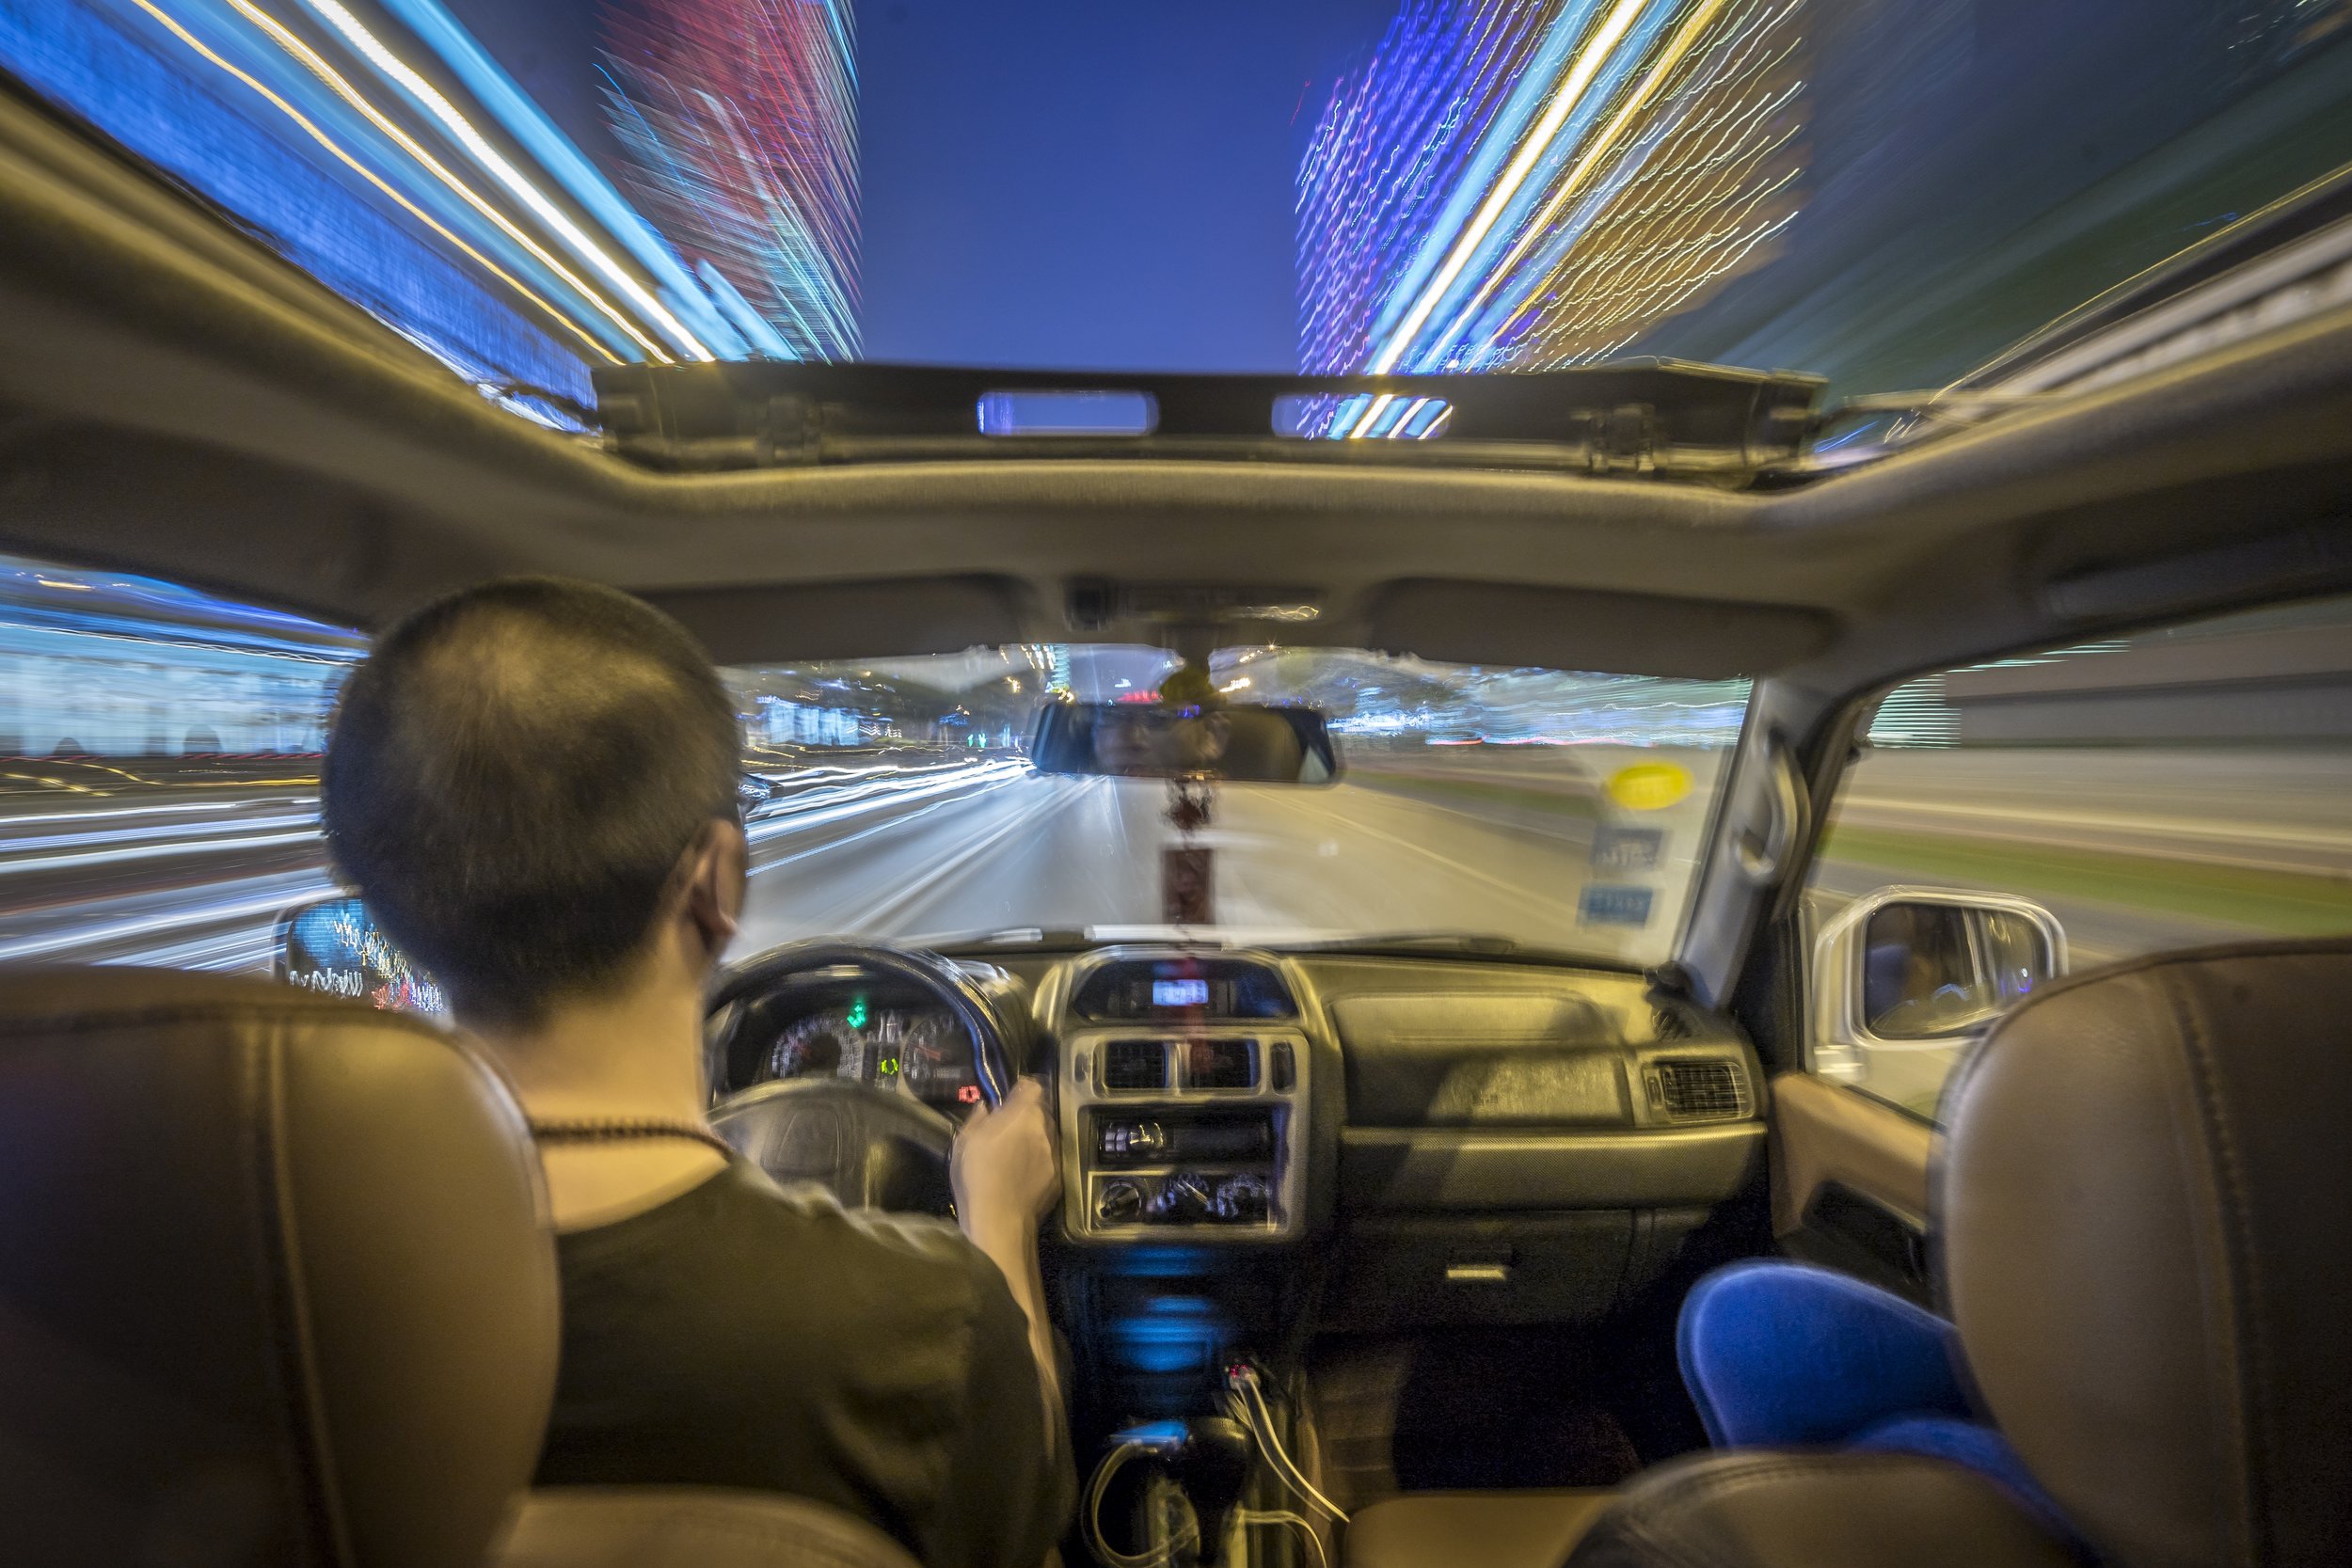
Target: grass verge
(2284, 902)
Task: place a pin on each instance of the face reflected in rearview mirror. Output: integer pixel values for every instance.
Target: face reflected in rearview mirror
(334, 946)
(1230, 744)
(1932, 970)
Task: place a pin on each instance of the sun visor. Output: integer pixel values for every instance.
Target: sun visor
(868, 619)
(1572, 628)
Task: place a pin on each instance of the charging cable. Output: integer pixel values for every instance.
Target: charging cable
(1092, 1516)
(1305, 1527)
(1245, 1400)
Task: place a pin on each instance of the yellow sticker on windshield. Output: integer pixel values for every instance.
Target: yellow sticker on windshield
(1648, 785)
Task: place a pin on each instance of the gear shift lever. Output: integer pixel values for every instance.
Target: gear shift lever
(1212, 1466)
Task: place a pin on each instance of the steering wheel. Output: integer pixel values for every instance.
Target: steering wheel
(869, 1148)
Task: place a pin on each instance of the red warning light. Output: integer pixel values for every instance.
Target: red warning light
(969, 1094)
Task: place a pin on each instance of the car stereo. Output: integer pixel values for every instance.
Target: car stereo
(1192, 1125)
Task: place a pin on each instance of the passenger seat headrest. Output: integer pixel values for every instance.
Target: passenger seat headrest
(2145, 1206)
(275, 1284)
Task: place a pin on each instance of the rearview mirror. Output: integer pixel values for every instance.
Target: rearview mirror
(1925, 970)
(334, 946)
(1231, 744)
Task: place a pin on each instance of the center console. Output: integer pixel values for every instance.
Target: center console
(1184, 1097)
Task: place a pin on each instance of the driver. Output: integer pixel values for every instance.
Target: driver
(533, 785)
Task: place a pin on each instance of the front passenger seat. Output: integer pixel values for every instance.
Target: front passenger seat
(2145, 1209)
(276, 1289)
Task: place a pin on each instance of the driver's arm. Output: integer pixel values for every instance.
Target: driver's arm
(1006, 1180)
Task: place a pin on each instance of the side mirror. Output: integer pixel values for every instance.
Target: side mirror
(334, 946)
(1921, 973)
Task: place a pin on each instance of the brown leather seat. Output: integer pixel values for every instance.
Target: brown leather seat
(276, 1288)
(1531, 1528)
(2145, 1209)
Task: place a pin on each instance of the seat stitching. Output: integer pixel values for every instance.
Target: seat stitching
(2248, 1353)
(288, 1457)
(296, 1362)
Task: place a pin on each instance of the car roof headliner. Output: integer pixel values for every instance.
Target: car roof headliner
(180, 402)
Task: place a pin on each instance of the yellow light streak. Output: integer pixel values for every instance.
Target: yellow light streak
(1693, 215)
(368, 174)
(1563, 101)
(293, 44)
(1715, 150)
(507, 175)
(1685, 37)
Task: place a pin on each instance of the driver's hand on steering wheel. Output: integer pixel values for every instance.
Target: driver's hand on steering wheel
(1004, 1167)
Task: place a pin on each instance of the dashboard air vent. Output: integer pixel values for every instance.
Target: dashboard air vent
(1698, 1088)
(1134, 1065)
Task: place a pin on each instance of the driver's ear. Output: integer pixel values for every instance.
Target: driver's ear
(717, 868)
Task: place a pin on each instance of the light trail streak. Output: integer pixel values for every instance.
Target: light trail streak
(340, 86)
(841, 807)
(430, 99)
(1694, 28)
(1564, 99)
(149, 811)
(1645, 268)
(840, 799)
(366, 173)
(738, 121)
(529, 125)
(1562, 226)
(14, 867)
(271, 904)
(10, 852)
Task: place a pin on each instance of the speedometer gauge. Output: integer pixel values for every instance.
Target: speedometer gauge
(822, 1045)
(929, 1051)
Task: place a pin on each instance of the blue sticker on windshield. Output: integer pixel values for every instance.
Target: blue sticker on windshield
(1624, 850)
(1614, 906)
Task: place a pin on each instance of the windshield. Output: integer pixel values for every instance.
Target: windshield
(159, 759)
(1536, 808)
(1886, 193)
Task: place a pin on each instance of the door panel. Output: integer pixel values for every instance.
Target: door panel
(1850, 1182)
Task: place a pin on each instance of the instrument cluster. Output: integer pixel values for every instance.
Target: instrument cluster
(919, 1051)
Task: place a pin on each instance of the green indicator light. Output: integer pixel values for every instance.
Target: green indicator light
(857, 1014)
(889, 1066)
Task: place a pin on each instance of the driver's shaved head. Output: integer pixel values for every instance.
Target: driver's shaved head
(513, 777)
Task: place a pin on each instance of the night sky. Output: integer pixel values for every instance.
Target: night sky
(1089, 184)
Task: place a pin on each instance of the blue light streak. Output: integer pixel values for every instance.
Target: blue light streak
(1508, 185)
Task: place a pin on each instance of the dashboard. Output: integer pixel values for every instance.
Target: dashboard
(1457, 1134)
(1259, 1143)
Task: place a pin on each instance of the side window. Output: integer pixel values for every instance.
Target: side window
(2012, 820)
(159, 756)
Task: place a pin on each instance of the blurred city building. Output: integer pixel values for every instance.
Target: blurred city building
(739, 120)
(392, 158)
(1529, 186)
(2268, 675)
(102, 664)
